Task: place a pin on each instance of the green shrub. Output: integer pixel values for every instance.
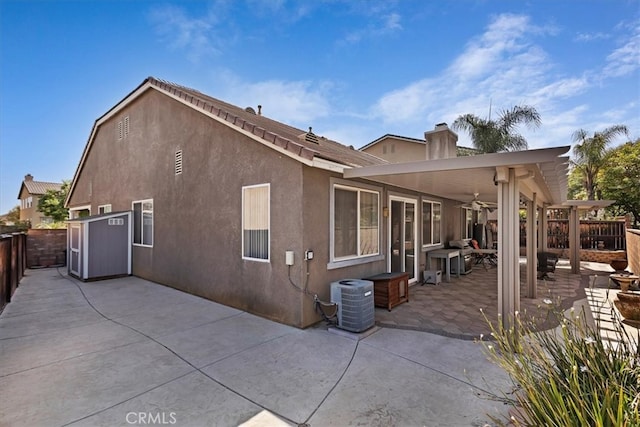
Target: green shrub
(568, 376)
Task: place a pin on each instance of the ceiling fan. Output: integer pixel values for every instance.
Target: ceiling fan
(477, 205)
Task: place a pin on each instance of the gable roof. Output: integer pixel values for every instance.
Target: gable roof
(461, 151)
(391, 136)
(301, 145)
(38, 188)
(299, 142)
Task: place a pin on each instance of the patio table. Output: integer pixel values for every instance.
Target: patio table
(446, 255)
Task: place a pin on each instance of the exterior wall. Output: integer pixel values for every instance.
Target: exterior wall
(31, 214)
(196, 214)
(196, 218)
(46, 248)
(396, 150)
(316, 236)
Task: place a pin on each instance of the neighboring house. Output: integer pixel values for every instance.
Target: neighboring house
(29, 195)
(220, 194)
(400, 149)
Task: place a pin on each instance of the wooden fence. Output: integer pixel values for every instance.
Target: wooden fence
(13, 262)
(602, 235)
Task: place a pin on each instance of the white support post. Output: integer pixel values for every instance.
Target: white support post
(508, 246)
(532, 252)
(574, 240)
(543, 229)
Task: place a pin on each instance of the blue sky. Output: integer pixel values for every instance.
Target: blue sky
(354, 70)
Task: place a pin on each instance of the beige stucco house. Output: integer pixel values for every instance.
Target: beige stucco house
(29, 196)
(220, 193)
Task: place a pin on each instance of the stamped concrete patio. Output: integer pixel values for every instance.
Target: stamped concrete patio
(458, 308)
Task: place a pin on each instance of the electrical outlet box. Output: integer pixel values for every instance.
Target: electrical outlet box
(308, 255)
(288, 257)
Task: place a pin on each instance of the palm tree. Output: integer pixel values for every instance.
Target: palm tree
(494, 136)
(590, 152)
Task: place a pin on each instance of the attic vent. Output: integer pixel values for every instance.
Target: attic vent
(126, 126)
(311, 137)
(178, 162)
(119, 130)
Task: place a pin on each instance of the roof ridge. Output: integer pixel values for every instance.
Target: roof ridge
(46, 182)
(234, 119)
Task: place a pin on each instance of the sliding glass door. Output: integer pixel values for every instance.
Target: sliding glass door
(403, 244)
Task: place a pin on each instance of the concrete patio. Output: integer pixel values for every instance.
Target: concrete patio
(127, 352)
(130, 352)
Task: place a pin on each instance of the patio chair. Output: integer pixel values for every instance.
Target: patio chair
(486, 257)
(546, 264)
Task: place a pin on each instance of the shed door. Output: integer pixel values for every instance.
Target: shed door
(74, 250)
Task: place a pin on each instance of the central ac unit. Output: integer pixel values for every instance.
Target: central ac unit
(354, 298)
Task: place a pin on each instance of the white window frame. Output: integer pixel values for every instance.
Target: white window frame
(432, 244)
(339, 262)
(242, 230)
(103, 209)
(73, 212)
(142, 212)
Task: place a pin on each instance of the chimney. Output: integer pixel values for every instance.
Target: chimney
(259, 110)
(441, 142)
(28, 177)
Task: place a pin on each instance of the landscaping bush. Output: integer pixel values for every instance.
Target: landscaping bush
(568, 376)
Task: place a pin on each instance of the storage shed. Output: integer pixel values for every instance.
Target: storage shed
(99, 246)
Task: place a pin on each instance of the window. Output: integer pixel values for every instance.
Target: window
(431, 223)
(467, 223)
(143, 222)
(255, 222)
(356, 218)
(102, 209)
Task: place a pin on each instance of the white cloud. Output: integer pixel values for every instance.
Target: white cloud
(495, 66)
(503, 67)
(587, 37)
(294, 102)
(625, 59)
(195, 36)
(383, 25)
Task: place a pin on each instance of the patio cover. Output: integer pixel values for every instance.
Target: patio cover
(538, 177)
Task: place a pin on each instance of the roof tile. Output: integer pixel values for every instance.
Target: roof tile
(277, 133)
